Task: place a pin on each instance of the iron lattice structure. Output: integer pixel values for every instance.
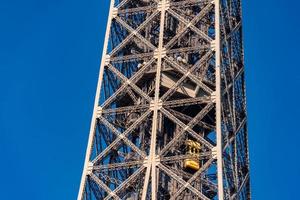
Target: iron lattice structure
(172, 71)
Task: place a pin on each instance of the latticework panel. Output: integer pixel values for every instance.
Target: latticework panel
(154, 132)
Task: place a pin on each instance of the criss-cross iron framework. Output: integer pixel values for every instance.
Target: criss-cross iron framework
(172, 71)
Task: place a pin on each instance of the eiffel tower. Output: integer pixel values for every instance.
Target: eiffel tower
(169, 119)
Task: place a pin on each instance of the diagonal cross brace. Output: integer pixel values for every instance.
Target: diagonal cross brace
(192, 27)
(126, 80)
(201, 14)
(131, 30)
(126, 182)
(132, 34)
(121, 136)
(187, 128)
(118, 139)
(193, 178)
(191, 70)
(181, 181)
(191, 76)
(104, 186)
(132, 80)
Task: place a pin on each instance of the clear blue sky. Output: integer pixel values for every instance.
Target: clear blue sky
(49, 57)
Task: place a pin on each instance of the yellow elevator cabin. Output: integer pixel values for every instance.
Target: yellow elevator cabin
(192, 149)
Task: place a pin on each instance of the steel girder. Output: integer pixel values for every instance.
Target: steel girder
(171, 71)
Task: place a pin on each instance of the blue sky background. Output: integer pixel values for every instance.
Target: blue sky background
(49, 59)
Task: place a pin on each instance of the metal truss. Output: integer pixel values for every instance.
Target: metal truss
(172, 71)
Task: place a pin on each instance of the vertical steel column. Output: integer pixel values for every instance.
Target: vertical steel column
(218, 101)
(97, 97)
(152, 160)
